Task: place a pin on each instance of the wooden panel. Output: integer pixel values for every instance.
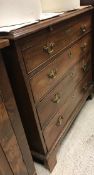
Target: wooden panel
(14, 117)
(51, 41)
(9, 143)
(16, 147)
(4, 166)
(47, 78)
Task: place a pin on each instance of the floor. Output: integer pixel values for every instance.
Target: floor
(76, 154)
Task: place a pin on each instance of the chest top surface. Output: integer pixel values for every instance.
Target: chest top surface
(25, 31)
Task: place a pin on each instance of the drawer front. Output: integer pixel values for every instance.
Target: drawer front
(56, 126)
(63, 35)
(47, 78)
(41, 46)
(55, 99)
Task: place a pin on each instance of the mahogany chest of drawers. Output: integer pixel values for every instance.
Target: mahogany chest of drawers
(50, 68)
(15, 155)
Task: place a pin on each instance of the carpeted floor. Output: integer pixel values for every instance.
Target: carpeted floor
(76, 154)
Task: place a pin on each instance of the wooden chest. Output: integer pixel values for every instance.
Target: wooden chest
(15, 156)
(50, 68)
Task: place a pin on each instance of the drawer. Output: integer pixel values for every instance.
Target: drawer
(55, 128)
(48, 77)
(63, 35)
(56, 99)
(41, 46)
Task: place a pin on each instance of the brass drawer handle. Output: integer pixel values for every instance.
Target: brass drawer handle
(83, 28)
(52, 74)
(49, 48)
(85, 87)
(60, 121)
(85, 67)
(67, 31)
(51, 28)
(84, 46)
(72, 74)
(56, 98)
(70, 54)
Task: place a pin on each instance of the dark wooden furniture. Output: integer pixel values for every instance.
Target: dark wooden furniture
(49, 64)
(15, 156)
(90, 2)
(87, 2)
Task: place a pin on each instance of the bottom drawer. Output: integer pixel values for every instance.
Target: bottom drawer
(55, 127)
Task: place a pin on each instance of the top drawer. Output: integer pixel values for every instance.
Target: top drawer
(40, 46)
